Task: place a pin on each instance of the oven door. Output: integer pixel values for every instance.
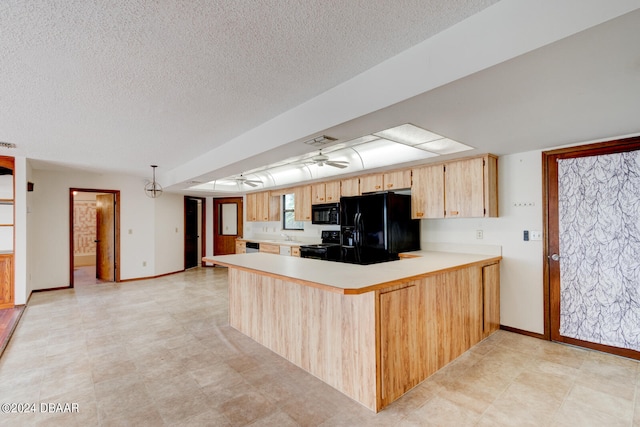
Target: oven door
(313, 252)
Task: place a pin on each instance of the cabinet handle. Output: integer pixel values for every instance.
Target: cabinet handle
(419, 214)
(454, 212)
(389, 185)
(377, 187)
(329, 198)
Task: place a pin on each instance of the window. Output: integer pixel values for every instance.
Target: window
(288, 216)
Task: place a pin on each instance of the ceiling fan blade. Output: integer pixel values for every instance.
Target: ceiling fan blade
(337, 164)
(251, 183)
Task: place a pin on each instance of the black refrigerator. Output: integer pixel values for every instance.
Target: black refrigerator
(377, 227)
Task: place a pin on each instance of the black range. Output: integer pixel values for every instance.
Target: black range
(328, 250)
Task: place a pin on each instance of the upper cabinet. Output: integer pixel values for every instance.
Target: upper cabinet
(350, 187)
(325, 192)
(262, 206)
(427, 192)
(302, 210)
(388, 181)
(466, 188)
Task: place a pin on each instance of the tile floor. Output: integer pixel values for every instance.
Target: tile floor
(159, 352)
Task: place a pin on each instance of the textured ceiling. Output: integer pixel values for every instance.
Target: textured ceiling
(119, 85)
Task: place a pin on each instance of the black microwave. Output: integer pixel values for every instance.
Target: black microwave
(328, 213)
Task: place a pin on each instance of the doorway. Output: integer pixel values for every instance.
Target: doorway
(194, 231)
(227, 224)
(592, 246)
(94, 236)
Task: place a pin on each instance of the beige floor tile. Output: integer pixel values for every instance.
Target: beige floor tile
(160, 352)
(603, 402)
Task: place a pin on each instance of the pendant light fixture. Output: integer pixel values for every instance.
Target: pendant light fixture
(153, 189)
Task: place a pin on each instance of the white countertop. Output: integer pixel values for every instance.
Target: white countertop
(349, 278)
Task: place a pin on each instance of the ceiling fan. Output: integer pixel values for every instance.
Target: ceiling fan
(321, 160)
(250, 182)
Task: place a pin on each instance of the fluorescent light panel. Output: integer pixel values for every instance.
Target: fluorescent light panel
(408, 134)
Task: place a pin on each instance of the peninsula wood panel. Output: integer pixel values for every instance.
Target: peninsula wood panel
(491, 292)
(330, 335)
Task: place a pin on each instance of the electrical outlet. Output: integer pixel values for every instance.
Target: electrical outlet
(479, 234)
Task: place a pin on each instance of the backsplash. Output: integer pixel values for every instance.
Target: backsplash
(272, 230)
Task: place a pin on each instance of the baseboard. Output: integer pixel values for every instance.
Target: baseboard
(523, 332)
(135, 279)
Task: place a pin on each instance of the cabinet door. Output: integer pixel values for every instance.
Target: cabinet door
(262, 206)
(332, 191)
(251, 206)
(6, 280)
(371, 183)
(397, 180)
(274, 208)
(350, 187)
(491, 298)
(269, 248)
(401, 337)
(303, 203)
(241, 247)
(295, 251)
(318, 193)
(427, 192)
(464, 188)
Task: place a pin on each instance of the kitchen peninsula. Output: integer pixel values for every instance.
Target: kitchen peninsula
(373, 332)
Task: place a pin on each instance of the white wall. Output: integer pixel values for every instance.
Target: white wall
(20, 230)
(48, 233)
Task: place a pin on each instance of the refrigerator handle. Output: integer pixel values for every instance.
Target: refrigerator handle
(357, 241)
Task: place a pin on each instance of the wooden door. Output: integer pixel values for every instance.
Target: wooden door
(592, 246)
(105, 239)
(227, 224)
(6, 279)
(192, 225)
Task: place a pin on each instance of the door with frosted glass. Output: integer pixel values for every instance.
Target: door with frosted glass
(593, 246)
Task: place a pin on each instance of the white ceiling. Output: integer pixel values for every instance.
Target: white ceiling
(207, 89)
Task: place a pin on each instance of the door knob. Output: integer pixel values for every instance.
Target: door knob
(555, 257)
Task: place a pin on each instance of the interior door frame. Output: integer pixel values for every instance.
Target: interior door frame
(551, 227)
(203, 227)
(116, 212)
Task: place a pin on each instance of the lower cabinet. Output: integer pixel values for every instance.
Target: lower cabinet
(241, 247)
(427, 323)
(6, 281)
(270, 249)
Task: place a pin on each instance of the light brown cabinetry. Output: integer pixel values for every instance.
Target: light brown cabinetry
(397, 180)
(325, 192)
(427, 192)
(303, 199)
(491, 294)
(270, 248)
(350, 187)
(371, 183)
(262, 206)
(295, 251)
(428, 323)
(6, 232)
(466, 188)
(241, 247)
